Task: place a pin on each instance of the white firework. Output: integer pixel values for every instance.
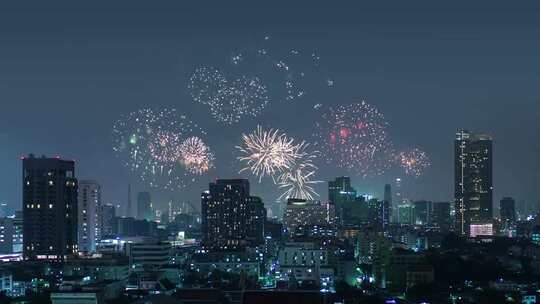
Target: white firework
(298, 181)
(267, 152)
(196, 156)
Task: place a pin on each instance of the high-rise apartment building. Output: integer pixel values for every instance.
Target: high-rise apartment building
(89, 219)
(507, 210)
(144, 206)
(108, 214)
(49, 208)
(231, 218)
(473, 180)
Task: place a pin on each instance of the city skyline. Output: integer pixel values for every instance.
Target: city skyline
(70, 103)
(239, 153)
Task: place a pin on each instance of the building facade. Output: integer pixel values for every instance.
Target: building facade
(473, 180)
(308, 213)
(507, 210)
(230, 217)
(49, 208)
(89, 219)
(144, 206)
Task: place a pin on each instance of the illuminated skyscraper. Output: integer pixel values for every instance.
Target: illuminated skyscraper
(89, 219)
(473, 180)
(231, 218)
(49, 208)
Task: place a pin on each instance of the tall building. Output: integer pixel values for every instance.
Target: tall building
(49, 208)
(473, 180)
(129, 212)
(441, 216)
(508, 210)
(256, 217)
(423, 213)
(378, 214)
(226, 211)
(301, 213)
(7, 231)
(405, 213)
(89, 219)
(340, 191)
(144, 206)
(398, 194)
(388, 193)
(18, 232)
(108, 214)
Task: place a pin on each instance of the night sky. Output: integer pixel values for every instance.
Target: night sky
(68, 72)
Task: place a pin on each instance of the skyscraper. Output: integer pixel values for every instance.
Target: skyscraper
(388, 198)
(49, 208)
(108, 213)
(340, 191)
(507, 210)
(226, 211)
(388, 193)
(473, 180)
(423, 213)
(144, 206)
(398, 195)
(441, 216)
(89, 219)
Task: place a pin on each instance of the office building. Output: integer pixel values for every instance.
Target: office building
(49, 208)
(340, 191)
(256, 219)
(89, 219)
(473, 180)
(388, 193)
(308, 213)
(18, 232)
(11, 234)
(148, 255)
(108, 214)
(423, 213)
(507, 210)
(441, 216)
(144, 206)
(6, 235)
(378, 214)
(405, 213)
(227, 208)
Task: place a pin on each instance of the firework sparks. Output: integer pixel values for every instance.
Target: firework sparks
(267, 152)
(230, 101)
(413, 161)
(298, 181)
(148, 143)
(196, 155)
(355, 137)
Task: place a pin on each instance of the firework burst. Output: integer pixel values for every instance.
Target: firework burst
(297, 181)
(148, 142)
(355, 137)
(413, 161)
(229, 101)
(266, 152)
(196, 155)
